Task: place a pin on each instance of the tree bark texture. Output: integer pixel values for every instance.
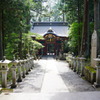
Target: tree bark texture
(97, 23)
(1, 43)
(85, 28)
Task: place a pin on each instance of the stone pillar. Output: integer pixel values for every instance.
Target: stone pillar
(29, 66)
(82, 63)
(93, 48)
(4, 78)
(19, 73)
(77, 65)
(13, 85)
(32, 62)
(74, 67)
(24, 71)
(97, 83)
(71, 63)
(26, 65)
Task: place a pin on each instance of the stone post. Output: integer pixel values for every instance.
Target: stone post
(4, 78)
(29, 69)
(26, 65)
(74, 67)
(93, 48)
(23, 68)
(71, 66)
(77, 65)
(13, 68)
(13, 85)
(97, 83)
(32, 62)
(19, 72)
(82, 62)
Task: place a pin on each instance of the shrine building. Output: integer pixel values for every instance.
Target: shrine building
(54, 34)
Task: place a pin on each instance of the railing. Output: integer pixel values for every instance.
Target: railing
(14, 71)
(77, 64)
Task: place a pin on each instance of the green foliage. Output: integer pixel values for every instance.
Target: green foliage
(38, 37)
(15, 21)
(74, 36)
(72, 9)
(12, 45)
(30, 46)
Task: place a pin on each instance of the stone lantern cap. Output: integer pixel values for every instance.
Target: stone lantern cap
(97, 59)
(25, 60)
(21, 62)
(5, 61)
(77, 58)
(82, 58)
(74, 57)
(15, 62)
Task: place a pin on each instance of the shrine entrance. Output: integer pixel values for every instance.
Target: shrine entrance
(50, 49)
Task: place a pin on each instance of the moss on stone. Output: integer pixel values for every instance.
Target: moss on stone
(91, 69)
(6, 90)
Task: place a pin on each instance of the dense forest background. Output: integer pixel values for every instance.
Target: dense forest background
(16, 17)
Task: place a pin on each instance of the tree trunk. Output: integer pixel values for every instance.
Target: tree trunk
(20, 45)
(85, 28)
(1, 44)
(79, 21)
(97, 22)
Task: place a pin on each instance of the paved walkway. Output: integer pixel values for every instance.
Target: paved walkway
(49, 76)
(52, 96)
(52, 80)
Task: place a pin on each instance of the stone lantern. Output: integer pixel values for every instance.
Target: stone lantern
(97, 83)
(13, 68)
(4, 68)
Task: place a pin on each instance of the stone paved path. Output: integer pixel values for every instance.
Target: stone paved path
(52, 80)
(49, 76)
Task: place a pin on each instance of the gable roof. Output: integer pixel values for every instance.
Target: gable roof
(60, 29)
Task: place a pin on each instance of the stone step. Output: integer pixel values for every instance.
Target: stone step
(51, 96)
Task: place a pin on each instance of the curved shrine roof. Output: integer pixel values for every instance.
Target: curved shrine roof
(59, 30)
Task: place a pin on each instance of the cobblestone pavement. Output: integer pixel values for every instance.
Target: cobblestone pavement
(49, 76)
